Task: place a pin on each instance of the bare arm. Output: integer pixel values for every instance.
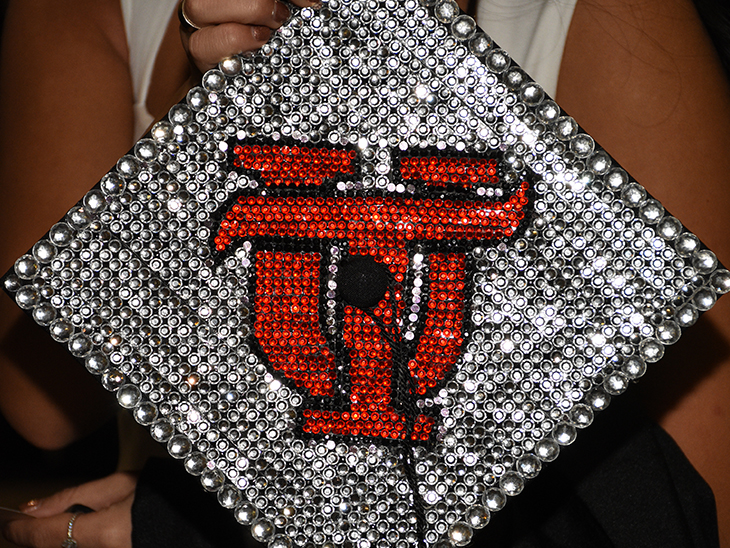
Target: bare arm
(66, 116)
(66, 110)
(643, 78)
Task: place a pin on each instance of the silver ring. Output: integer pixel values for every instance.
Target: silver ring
(70, 542)
(185, 21)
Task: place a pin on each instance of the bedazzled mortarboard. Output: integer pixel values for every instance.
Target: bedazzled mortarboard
(367, 281)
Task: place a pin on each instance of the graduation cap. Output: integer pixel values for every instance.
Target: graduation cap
(365, 282)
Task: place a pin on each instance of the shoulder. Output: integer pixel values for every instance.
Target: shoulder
(643, 77)
(43, 22)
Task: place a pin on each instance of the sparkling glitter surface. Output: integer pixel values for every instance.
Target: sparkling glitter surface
(365, 282)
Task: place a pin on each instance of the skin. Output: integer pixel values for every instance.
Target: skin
(661, 88)
(639, 60)
(76, 104)
(107, 527)
(86, 106)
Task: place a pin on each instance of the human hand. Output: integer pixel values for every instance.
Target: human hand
(228, 27)
(110, 526)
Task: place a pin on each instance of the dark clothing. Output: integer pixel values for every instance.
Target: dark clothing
(623, 484)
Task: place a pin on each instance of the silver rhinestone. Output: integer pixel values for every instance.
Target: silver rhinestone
(78, 218)
(512, 483)
(80, 345)
(480, 44)
(460, 533)
(477, 516)
(145, 414)
(212, 480)
(231, 66)
(282, 541)
(214, 80)
(446, 10)
(128, 166)
(634, 367)
(668, 332)
(581, 415)
(616, 383)
(27, 297)
(651, 350)
(112, 184)
(704, 299)
(61, 330)
(44, 313)
(162, 132)
(532, 93)
(229, 496)
(616, 179)
(548, 111)
(565, 128)
(180, 115)
(96, 363)
(547, 450)
(44, 251)
(599, 163)
(687, 315)
(598, 400)
(112, 379)
(721, 281)
(463, 27)
(704, 261)
(515, 77)
(669, 228)
(498, 60)
(26, 267)
(565, 433)
(12, 283)
(197, 98)
(246, 513)
(633, 195)
(162, 430)
(582, 145)
(495, 499)
(651, 212)
(196, 463)
(529, 466)
(687, 244)
(145, 150)
(94, 202)
(179, 446)
(262, 530)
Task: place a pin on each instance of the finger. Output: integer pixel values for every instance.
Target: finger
(209, 45)
(109, 528)
(307, 3)
(38, 533)
(267, 13)
(97, 494)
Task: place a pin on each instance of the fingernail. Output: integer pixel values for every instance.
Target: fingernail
(261, 34)
(281, 12)
(30, 506)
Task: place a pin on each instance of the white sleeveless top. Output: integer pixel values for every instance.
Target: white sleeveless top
(533, 32)
(145, 22)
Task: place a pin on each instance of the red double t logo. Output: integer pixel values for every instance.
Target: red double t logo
(387, 372)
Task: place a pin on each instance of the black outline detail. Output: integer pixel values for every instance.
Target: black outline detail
(340, 402)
